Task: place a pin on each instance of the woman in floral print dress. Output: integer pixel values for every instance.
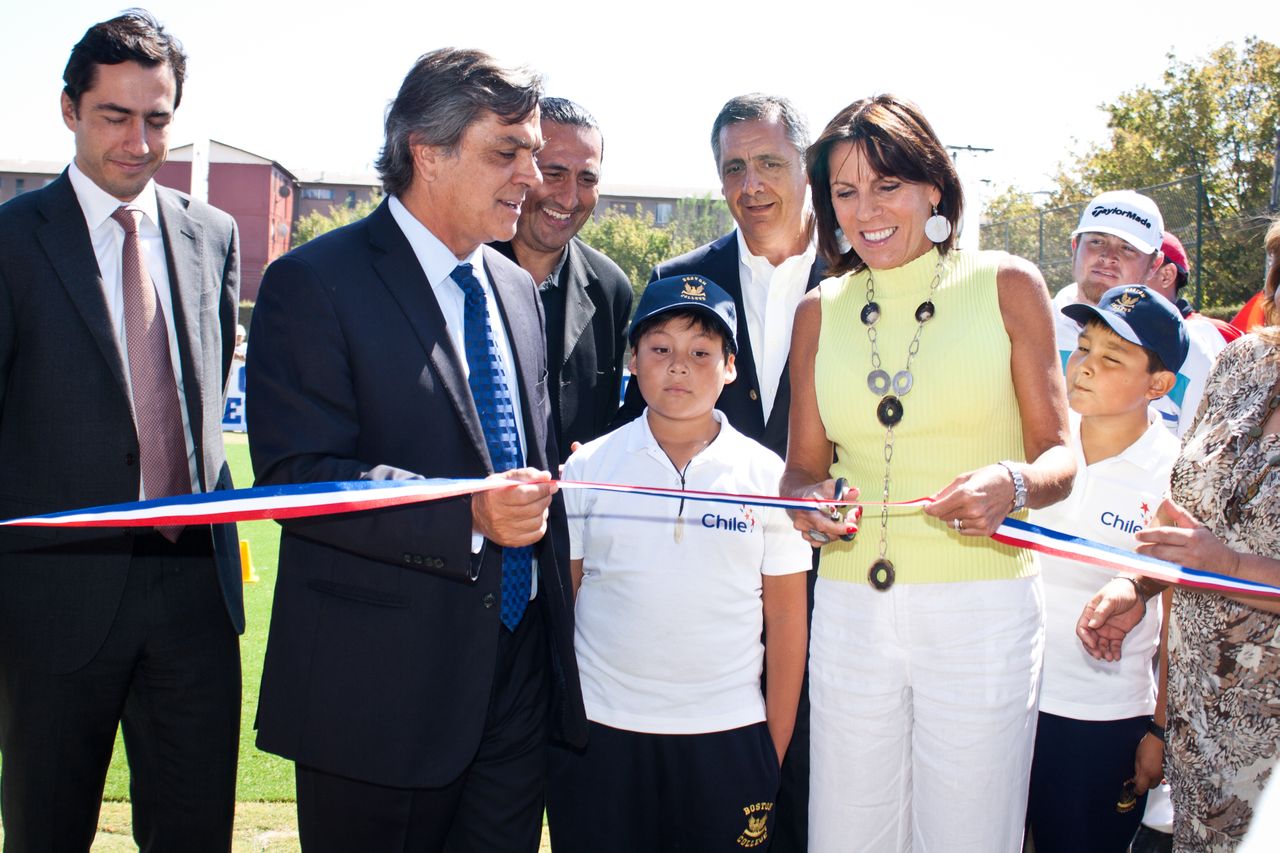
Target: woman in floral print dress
(1223, 515)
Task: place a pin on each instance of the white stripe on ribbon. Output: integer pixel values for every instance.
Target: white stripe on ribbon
(317, 499)
(1024, 534)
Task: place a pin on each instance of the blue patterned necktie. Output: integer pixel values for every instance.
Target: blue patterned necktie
(494, 402)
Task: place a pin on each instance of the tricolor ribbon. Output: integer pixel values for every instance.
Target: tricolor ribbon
(305, 500)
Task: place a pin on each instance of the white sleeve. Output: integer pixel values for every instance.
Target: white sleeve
(785, 551)
(576, 507)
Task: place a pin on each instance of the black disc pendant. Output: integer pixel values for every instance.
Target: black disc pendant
(889, 412)
(870, 313)
(924, 312)
(881, 574)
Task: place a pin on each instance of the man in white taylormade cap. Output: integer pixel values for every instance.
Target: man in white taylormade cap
(1118, 242)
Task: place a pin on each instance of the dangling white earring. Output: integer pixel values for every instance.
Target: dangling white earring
(937, 227)
(842, 242)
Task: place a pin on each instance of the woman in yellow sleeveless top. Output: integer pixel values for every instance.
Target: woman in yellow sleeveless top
(921, 371)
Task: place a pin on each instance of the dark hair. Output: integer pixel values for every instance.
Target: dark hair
(565, 111)
(444, 93)
(694, 317)
(898, 142)
(133, 36)
(1154, 363)
(758, 107)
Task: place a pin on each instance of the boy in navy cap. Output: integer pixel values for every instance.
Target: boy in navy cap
(1099, 742)
(672, 596)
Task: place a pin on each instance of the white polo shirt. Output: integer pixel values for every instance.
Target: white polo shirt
(1177, 409)
(1112, 499)
(669, 613)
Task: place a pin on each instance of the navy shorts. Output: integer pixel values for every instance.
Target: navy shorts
(632, 792)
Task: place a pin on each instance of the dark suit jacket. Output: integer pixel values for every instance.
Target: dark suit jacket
(384, 631)
(67, 437)
(740, 400)
(597, 311)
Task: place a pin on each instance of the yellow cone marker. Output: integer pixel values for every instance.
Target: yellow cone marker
(247, 574)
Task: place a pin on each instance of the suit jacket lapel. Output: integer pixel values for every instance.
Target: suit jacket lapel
(724, 262)
(65, 239)
(183, 242)
(578, 307)
(402, 275)
(517, 299)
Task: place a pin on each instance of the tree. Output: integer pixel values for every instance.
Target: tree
(634, 243)
(700, 220)
(314, 224)
(1216, 119)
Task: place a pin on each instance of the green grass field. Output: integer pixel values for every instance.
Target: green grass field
(262, 777)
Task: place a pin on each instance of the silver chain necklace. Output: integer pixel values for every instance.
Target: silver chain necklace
(889, 410)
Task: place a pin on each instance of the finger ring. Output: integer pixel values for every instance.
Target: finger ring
(819, 536)
(957, 524)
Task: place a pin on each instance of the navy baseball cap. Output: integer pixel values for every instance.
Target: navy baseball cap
(683, 292)
(1140, 316)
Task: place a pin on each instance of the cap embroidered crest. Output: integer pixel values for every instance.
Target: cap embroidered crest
(1127, 301)
(694, 289)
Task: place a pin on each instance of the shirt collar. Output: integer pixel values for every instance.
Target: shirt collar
(641, 439)
(433, 255)
(97, 204)
(759, 263)
(553, 277)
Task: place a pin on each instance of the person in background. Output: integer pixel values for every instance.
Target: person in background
(586, 296)
(1118, 242)
(1171, 277)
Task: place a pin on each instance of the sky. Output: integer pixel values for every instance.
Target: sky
(306, 84)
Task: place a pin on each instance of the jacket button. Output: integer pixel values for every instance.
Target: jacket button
(408, 559)
(437, 563)
(490, 600)
(130, 459)
(417, 559)
(754, 395)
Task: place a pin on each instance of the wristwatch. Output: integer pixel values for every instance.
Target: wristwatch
(1019, 487)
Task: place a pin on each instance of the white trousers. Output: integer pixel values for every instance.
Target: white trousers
(924, 702)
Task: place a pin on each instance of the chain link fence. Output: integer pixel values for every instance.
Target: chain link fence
(1226, 257)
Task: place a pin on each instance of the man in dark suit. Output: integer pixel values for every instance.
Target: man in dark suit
(767, 264)
(119, 304)
(586, 296)
(414, 667)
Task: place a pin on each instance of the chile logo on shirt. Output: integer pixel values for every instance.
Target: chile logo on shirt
(1110, 518)
(744, 524)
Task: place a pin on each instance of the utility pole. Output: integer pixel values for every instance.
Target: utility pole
(969, 228)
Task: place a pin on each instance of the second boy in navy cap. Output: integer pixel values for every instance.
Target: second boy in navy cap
(1098, 742)
(672, 596)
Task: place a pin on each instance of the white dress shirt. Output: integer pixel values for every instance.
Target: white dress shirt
(770, 296)
(107, 237)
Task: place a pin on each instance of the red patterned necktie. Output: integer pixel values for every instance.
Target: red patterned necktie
(161, 444)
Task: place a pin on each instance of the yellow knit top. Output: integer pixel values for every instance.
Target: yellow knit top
(960, 414)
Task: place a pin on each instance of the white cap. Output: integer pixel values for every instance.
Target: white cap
(1126, 214)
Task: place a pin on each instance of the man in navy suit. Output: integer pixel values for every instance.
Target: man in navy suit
(767, 264)
(586, 296)
(417, 714)
(117, 309)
